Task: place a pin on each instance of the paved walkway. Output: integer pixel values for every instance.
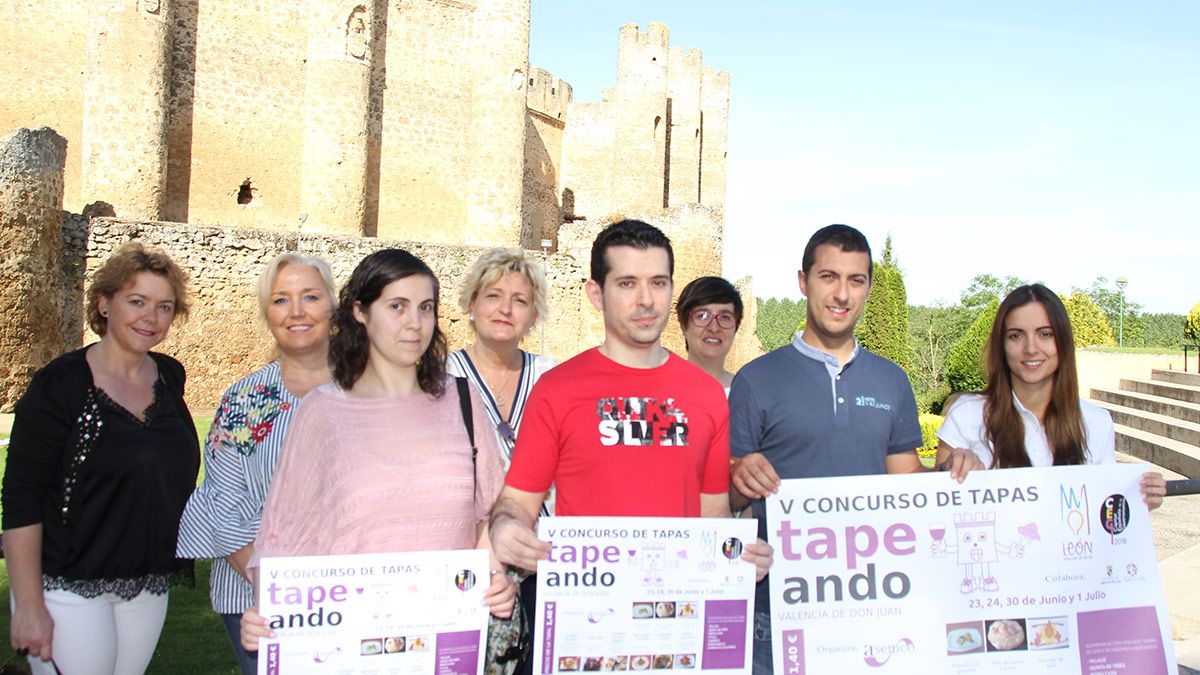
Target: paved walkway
(1177, 542)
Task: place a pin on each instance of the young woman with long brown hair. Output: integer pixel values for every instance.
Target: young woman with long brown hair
(1030, 413)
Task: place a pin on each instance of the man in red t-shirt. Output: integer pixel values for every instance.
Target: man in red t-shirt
(627, 428)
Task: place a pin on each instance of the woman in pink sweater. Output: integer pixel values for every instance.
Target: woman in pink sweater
(379, 460)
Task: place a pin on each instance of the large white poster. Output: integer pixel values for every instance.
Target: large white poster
(394, 613)
(644, 594)
(1013, 571)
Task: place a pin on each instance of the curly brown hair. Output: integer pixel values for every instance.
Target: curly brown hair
(118, 271)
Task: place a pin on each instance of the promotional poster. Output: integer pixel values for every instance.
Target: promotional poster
(386, 613)
(644, 594)
(1019, 570)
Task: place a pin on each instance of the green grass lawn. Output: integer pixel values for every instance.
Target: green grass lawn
(193, 639)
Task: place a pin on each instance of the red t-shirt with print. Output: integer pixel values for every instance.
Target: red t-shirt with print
(620, 441)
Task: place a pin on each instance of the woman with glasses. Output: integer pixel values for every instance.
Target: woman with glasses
(710, 311)
(504, 295)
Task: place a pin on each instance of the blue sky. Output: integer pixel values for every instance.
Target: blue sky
(1050, 141)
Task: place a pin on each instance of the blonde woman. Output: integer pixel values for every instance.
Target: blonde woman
(296, 297)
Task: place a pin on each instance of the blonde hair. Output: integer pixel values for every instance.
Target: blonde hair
(495, 263)
(118, 272)
(267, 280)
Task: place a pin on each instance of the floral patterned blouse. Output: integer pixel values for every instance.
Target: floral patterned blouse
(224, 512)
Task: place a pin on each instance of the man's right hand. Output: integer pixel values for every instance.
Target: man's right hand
(754, 477)
(33, 629)
(514, 543)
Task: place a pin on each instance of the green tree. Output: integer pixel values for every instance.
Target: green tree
(778, 320)
(1163, 330)
(1109, 301)
(985, 288)
(1087, 321)
(965, 369)
(883, 328)
(932, 332)
(1191, 326)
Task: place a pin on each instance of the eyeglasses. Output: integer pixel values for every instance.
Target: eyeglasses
(702, 317)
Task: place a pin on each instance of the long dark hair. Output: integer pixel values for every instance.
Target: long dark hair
(349, 347)
(1063, 421)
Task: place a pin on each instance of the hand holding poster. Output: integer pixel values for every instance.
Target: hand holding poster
(378, 612)
(644, 593)
(1021, 570)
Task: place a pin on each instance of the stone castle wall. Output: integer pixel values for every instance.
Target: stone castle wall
(224, 338)
(229, 131)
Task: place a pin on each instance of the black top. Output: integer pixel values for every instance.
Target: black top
(108, 496)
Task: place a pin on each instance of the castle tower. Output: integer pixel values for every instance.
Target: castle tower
(31, 201)
(496, 140)
(123, 140)
(337, 83)
(640, 108)
(683, 89)
(714, 136)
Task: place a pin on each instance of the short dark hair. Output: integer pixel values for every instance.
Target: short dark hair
(846, 238)
(632, 233)
(349, 346)
(706, 291)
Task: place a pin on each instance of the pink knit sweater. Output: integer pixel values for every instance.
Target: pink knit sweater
(378, 476)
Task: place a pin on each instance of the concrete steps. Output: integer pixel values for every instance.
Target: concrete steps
(1157, 420)
(1176, 377)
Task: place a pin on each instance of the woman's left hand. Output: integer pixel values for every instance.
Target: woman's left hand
(501, 595)
(1154, 488)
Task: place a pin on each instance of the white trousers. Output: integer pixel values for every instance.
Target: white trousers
(104, 635)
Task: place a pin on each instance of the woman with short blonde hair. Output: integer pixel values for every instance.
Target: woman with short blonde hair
(296, 295)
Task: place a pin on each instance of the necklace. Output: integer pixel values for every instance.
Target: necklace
(497, 392)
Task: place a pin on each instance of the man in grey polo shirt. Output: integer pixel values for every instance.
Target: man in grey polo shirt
(822, 406)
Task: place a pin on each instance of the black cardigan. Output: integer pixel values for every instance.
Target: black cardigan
(109, 506)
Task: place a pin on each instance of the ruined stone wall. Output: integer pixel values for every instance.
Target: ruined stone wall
(658, 138)
(714, 136)
(587, 166)
(41, 74)
(640, 106)
(546, 119)
(31, 195)
(415, 123)
(237, 113)
(683, 92)
(225, 339)
(424, 155)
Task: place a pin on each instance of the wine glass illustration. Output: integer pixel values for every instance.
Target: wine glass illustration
(937, 530)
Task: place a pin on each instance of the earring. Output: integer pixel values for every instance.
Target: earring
(104, 314)
(471, 316)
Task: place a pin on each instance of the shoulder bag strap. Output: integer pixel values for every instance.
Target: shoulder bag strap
(464, 403)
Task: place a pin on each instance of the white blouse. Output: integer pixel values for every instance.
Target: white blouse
(964, 428)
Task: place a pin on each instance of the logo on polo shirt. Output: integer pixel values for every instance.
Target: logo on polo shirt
(870, 402)
(637, 420)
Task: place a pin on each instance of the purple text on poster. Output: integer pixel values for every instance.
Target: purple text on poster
(457, 653)
(548, 638)
(1121, 640)
(724, 634)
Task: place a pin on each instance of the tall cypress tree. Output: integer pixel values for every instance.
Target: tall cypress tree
(884, 326)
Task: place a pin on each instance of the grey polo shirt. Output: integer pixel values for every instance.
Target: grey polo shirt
(811, 418)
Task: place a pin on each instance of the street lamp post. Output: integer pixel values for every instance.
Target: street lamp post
(1121, 283)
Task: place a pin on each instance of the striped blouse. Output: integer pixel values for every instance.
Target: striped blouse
(533, 366)
(224, 512)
